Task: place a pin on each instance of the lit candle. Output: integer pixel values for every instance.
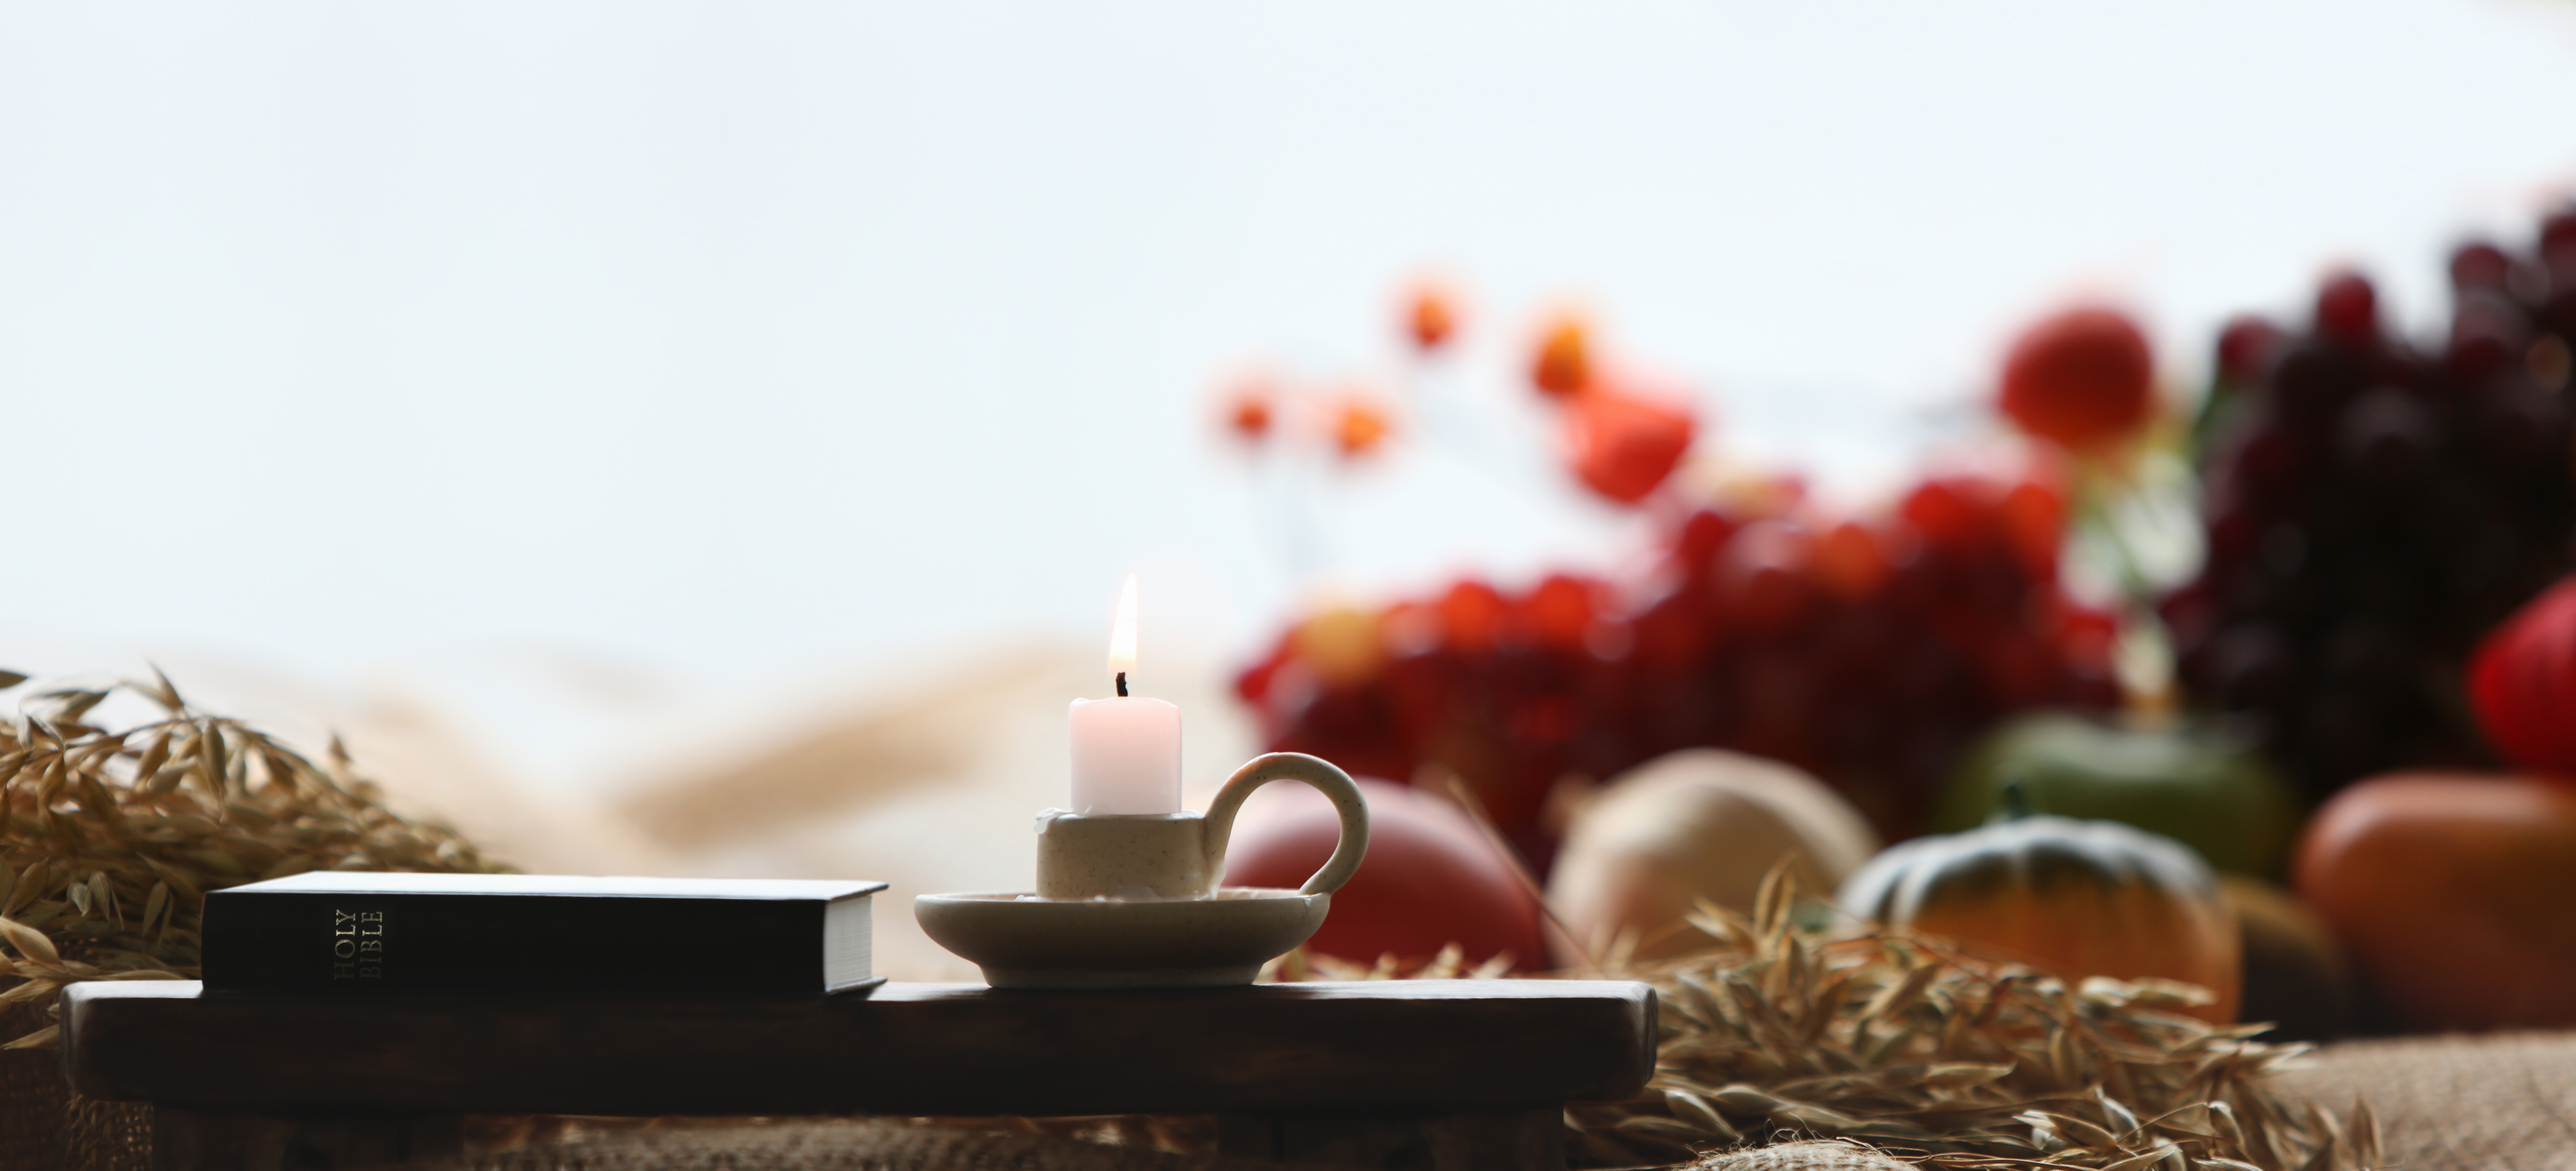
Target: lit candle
(1126, 750)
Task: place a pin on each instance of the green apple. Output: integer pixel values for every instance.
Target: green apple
(2194, 783)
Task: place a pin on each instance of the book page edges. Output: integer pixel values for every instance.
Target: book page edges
(848, 930)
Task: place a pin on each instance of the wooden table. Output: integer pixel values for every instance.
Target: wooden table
(1418, 1073)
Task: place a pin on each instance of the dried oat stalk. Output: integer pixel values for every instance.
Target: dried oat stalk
(1949, 1062)
(1451, 964)
(113, 838)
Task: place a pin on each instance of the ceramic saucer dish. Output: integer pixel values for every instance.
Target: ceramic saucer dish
(1023, 941)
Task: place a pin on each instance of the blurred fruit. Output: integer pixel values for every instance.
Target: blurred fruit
(2073, 898)
(2372, 510)
(2452, 893)
(1691, 825)
(1561, 612)
(1851, 562)
(1431, 316)
(2296, 975)
(1623, 447)
(1340, 642)
(1563, 365)
(2480, 265)
(1431, 878)
(2523, 682)
(2082, 378)
(1868, 652)
(1360, 426)
(2246, 348)
(2198, 785)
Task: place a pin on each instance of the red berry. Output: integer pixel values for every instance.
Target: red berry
(1670, 633)
(1472, 616)
(1944, 513)
(1763, 576)
(1560, 612)
(1699, 537)
(1623, 447)
(2083, 378)
(1850, 562)
(2034, 522)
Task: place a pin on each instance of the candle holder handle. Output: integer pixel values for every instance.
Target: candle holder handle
(1327, 779)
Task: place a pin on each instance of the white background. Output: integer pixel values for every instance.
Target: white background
(677, 352)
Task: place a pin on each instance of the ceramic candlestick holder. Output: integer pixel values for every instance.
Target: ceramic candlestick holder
(1133, 901)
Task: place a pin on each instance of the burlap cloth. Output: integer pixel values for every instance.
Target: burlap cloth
(2494, 1103)
(2504, 1102)
(44, 1125)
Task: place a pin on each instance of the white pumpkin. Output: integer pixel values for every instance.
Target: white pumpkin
(1701, 823)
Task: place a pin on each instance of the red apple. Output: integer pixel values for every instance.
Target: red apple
(1430, 878)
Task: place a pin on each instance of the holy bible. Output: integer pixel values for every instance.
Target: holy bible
(345, 933)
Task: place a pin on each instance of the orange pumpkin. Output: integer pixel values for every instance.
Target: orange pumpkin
(2452, 892)
(2071, 898)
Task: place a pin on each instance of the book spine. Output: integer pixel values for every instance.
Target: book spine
(311, 943)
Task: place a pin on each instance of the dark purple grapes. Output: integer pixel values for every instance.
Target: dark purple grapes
(2481, 265)
(2348, 310)
(2372, 509)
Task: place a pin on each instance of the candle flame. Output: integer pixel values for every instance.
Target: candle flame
(1122, 634)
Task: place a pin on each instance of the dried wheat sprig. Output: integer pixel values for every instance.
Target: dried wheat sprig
(1949, 1061)
(113, 838)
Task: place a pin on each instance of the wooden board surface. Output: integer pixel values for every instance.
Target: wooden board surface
(1398, 1047)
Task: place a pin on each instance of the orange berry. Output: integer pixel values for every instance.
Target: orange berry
(1431, 316)
(1563, 367)
(1359, 427)
(1250, 418)
(1250, 409)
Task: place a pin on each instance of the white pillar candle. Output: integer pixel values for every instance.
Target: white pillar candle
(1126, 750)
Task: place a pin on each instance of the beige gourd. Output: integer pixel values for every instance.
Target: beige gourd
(1701, 823)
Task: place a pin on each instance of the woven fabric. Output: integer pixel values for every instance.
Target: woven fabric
(2490, 1103)
(888, 1146)
(877, 1145)
(2505, 1102)
(44, 1126)
(1802, 1156)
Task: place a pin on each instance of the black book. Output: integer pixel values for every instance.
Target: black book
(347, 933)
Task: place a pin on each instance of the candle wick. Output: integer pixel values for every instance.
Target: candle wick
(1122, 684)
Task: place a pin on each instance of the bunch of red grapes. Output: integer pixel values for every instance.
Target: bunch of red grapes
(1868, 652)
(2374, 505)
